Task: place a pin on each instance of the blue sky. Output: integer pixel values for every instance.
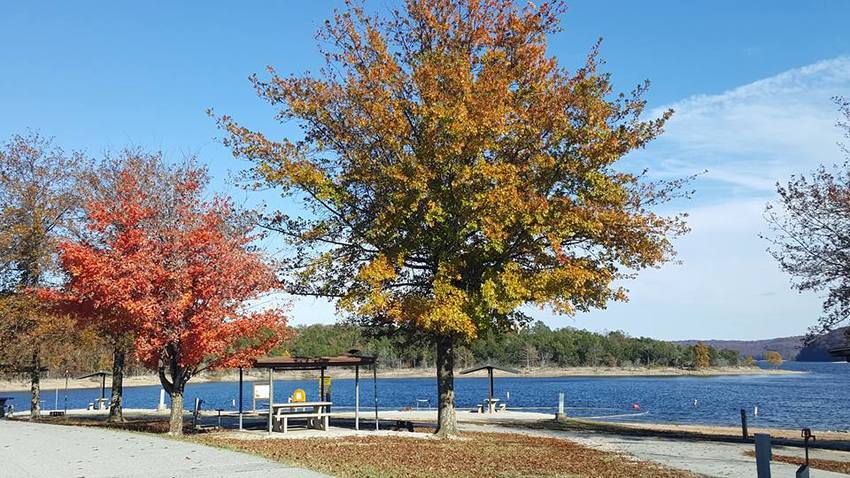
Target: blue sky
(751, 83)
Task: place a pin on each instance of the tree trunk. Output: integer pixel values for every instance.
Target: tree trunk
(175, 422)
(116, 409)
(35, 387)
(446, 417)
(174, 388)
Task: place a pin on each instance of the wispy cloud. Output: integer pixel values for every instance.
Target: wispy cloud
(750, 137)
(747, 139)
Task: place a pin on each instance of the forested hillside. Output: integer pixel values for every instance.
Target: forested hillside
(788, 347)
(791, 348)
(536, 346)
(818, 350)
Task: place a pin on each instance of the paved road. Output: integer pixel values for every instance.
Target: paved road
(54, 451)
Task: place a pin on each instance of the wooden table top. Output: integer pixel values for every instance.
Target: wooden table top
(302, 404)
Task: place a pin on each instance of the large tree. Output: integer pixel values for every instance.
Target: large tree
(177, 273)
(452, 172)
(90, 296)
(38, 201)
(811, 233)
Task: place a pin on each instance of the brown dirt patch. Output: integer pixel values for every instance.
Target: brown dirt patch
(144, 425)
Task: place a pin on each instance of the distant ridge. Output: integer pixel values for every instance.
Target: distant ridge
(791, 348)
(818, 351)
(788, 347)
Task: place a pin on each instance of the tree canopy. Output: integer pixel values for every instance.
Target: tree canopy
(178, 272)
(453, 172)
(537, 346)
(39, 200)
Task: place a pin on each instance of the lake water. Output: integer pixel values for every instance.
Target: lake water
(817, 399)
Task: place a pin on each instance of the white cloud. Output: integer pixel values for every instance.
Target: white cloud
(727, 286)
(754, 135)
(747, 139)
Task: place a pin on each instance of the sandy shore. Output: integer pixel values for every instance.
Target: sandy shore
(255, 375)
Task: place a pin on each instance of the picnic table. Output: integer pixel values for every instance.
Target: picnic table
(316, 414)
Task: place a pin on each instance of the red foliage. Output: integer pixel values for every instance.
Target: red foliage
(174, 271)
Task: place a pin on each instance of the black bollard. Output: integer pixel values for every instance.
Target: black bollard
(744, 424)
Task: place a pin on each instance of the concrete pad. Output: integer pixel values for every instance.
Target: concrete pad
(463, 415)
(706, 458)
(40, 450)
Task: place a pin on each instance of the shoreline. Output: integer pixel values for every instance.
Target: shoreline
(256, 375)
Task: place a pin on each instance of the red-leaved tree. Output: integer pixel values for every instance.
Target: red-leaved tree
(177, 272)
(96, 298)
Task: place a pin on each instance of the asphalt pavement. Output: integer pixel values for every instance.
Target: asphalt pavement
(47, 451)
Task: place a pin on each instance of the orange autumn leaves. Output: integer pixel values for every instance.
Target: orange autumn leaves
(172, 271)
(457, 171)
(454, 173)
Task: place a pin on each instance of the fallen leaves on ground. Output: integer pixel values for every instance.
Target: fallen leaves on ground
(508, 455)
(819, 464)
(145, 425)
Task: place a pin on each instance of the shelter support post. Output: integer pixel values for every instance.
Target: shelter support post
(491, 400)
(240, 398)
(271, 397)
(357, 397)
(375, 382)
(322, 384)
(491, 407)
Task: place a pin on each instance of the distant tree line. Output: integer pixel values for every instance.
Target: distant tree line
(537, 346)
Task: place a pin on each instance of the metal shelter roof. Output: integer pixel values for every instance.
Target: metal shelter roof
(99, 373)
(313, 363)
(488, 366)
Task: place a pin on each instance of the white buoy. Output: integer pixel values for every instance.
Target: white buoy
(756, 411)
(696, 402)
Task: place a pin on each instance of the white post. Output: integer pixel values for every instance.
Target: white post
(375, 383)
(356, 397)
(763, 455)
(271, 398)
(560, 405)
(161, 406)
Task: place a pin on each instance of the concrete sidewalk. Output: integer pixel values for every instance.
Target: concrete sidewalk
(39, 450)
(706, 458)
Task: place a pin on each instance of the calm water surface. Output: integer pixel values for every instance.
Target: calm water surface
(817, 399)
